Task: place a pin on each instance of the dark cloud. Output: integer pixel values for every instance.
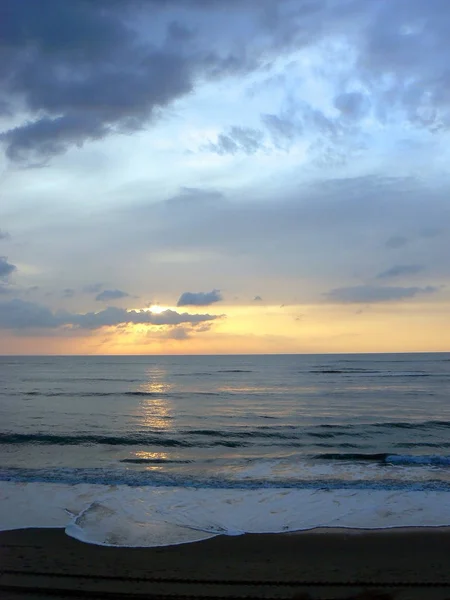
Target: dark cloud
(361, 294)
(49, 136)
(82, 74)
(112, 316)
(400, 271)
(84, 69)
(20, 314)
(199, 298)
(257, 299)
(6, 268)
(108, 295)
(4, 235)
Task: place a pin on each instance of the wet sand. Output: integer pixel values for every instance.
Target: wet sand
(45, 563)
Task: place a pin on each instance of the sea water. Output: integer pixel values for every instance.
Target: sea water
(147, 451)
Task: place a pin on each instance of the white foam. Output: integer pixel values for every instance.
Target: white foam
(145, 516)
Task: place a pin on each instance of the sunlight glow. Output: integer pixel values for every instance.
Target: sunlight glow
(157, 309)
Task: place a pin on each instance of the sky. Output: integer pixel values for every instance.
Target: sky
(224, 176)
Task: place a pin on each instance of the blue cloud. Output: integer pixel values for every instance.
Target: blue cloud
(199, 298)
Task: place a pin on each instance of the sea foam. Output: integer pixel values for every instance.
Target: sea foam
(145, 516)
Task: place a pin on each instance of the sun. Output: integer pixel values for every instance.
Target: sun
(156, 309)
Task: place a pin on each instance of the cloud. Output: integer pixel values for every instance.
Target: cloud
(4, 235)
(282, 128)
(20, 314)
(112, 316)
(47, 137)
(400, 271)
(352, 105)
(199, 298)
(321, 232)
(178, 333)
(196, 198)
(6, 268)
(238, 139)
(361, 294)
(92, 288)
(85, 70)
(68, 293)
(397, 241)
(430, 232)
(81, 71)
(108, 295)
(257, 299)
(82, 74)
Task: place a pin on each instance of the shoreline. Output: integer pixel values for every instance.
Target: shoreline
(258, 565)
(321, 530)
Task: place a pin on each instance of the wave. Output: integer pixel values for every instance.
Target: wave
(386, 458)
(134, 440)
(423, 445)
(63, 394)
(235, 371)
(126, 516)
(348, 371)
(197, 374)
(90, 394)
(154, 461)
(157, 479)
(211, 373)
(370, 372)
(399, 459)
(412, 425)
(282, 435)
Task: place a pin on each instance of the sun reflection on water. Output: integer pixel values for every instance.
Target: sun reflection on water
(151, 455)
(156, 410)
(155, 460)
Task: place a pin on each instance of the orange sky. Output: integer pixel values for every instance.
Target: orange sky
(263, 329)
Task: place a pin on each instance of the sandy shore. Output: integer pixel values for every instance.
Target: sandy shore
(49, 563)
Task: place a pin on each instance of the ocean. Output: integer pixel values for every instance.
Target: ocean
(148, 451)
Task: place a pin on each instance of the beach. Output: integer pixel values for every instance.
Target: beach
(225, 477)
(48, 563)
